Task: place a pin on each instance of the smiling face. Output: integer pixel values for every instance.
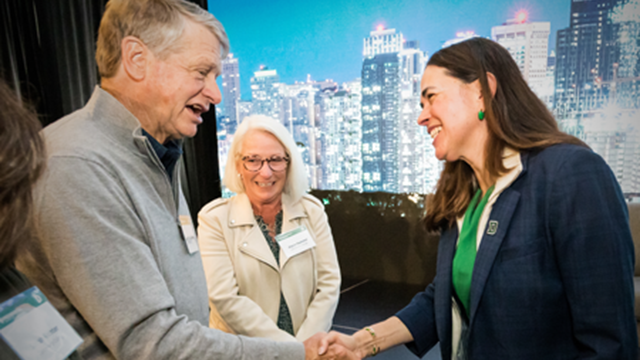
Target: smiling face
(183, 85)
(264, 186)
(450, 113)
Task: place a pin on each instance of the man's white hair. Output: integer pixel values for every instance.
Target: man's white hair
(158, 23)
(296, 183)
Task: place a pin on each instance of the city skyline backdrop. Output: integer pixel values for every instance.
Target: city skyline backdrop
(345, 80)
(323, 39)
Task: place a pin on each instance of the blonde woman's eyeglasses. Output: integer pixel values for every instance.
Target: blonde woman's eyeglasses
(255, 163)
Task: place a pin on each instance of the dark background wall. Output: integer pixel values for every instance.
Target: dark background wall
(379, 236)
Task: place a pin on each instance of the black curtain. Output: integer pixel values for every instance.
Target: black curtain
(47, 50)
(201, 160)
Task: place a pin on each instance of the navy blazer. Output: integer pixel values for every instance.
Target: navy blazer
(555, 280)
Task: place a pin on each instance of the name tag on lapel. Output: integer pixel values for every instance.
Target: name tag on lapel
(34, 329)
(295, 241)
(492, 228)
(189, 234)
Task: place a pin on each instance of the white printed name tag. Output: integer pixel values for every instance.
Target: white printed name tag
(189, 234)
(295, 241)
(33, 328)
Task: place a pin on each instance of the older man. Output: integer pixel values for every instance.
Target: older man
(117, 253)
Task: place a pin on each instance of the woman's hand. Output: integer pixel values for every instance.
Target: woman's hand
(335, 338)
(330, 346)
(366, 342)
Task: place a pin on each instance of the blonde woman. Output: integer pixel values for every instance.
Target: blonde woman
(260, 284)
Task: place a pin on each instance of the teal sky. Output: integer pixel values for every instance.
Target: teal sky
(324, 38)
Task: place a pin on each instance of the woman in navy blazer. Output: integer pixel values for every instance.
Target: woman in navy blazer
(552, 273)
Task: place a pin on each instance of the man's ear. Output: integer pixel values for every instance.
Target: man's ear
(135, 57)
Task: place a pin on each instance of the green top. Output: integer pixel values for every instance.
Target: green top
(465, 256)
(284, 316)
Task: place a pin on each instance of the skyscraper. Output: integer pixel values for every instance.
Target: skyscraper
(298, 117)
(597, 82)
(412, 138)
(547, 89)
(231, 87)
(614, 134)
(380, 110)
(382, 41)
(330, 106)
(340, 129)
(323, 91)
(586, 52)
(352, 118)
(226, 128)
(528, 44)
(265, 93)
(244, 109)
(625, 80)
(394, 147)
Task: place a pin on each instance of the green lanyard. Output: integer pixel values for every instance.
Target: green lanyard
(465, 255)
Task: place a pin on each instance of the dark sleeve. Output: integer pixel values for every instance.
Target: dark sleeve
(419, 318)
(12, 283)
(588, 224)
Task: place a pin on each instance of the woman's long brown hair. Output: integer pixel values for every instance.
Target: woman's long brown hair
(515, 116)
(22, 160)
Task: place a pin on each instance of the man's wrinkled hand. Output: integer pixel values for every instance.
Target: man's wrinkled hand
(311, 346)
(334, 345)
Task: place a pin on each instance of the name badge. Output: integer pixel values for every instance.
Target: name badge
(189, 234)
(295, 241)
(492, 229)
(33, 328)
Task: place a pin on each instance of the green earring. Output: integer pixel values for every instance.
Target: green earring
(481, 115)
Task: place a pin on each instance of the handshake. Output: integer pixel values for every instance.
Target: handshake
(333, 345)
(363, 343)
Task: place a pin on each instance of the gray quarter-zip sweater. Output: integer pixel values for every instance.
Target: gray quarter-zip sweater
(111, 257)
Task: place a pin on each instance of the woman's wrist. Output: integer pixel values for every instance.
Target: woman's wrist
(366, 344)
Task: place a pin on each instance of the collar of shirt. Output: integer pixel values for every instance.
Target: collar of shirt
(513, 163)
(169, 153)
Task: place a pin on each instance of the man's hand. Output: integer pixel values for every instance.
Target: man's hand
(331, 345)
(311, 346)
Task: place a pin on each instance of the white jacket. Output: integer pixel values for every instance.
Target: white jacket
(244, 279)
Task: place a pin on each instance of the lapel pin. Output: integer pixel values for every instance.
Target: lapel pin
(493, 227)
